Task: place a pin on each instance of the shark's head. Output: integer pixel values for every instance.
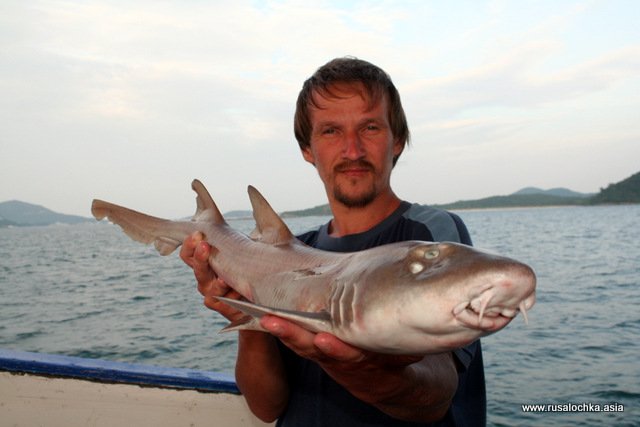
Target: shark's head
(447, 293)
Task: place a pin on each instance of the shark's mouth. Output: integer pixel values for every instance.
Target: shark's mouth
(486, 313)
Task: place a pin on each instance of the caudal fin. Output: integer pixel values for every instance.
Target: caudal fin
(166, 235)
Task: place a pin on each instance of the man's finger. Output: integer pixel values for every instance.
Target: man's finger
(293, 336)
(202, 251)
(188, 247)
(337, 349)
(201, 267)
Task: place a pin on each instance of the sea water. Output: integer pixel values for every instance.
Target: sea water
(87, 290)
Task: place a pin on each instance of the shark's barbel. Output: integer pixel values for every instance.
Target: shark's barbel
(410, 297)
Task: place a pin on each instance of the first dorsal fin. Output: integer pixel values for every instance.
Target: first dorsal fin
(269, 226)
(206, 209)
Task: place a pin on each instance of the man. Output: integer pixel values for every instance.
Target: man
(350, 125)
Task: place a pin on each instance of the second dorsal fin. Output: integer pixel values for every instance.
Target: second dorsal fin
(269, 226)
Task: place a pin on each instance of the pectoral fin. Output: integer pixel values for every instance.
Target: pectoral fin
(246, 323)
(314, 322)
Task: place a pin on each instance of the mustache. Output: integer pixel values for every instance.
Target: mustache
(354, 164)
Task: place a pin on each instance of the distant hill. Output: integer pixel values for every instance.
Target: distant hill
(558, 192)
(321, 210)
(515, 200)
(625, 191)
(529, 196)
(238, 214)
(16, 213)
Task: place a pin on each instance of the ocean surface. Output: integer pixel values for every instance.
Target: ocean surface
(87, 290)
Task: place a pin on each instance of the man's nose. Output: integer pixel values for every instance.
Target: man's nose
(353, 148)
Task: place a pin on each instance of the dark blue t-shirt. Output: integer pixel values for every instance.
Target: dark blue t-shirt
(317, 400)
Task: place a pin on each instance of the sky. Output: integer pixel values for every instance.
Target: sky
(128, 101)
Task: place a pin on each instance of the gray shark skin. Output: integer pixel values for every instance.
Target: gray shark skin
(409, 298)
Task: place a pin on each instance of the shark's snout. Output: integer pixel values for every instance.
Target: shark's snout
(499, 299)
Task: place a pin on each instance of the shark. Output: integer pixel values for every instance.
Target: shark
(405, 298)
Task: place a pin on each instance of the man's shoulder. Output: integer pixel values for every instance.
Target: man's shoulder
(309, 237)
(444, 226)
(411, 221)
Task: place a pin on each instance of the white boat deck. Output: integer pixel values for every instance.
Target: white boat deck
(52, 390)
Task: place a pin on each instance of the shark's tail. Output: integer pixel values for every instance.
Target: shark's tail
(166, 235)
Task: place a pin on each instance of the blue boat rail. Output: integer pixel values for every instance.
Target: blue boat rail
(115, 372)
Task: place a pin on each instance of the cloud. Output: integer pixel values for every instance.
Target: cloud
(515, 79)
(133, 98)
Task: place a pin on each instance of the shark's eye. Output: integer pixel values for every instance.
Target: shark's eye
(416, 267)
(431, 254)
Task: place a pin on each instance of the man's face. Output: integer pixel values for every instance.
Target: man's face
(352, 145)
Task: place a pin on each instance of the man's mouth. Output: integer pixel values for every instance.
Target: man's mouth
(354, 172)
(355, 168)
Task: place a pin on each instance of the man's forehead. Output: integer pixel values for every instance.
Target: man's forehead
(344, 90)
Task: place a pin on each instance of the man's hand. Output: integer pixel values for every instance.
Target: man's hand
(415, 388)
(195, 253)
(260, 374)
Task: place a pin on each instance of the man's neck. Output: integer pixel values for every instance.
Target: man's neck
(351, 220)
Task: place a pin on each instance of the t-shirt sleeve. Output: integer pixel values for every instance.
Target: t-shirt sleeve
(465, 238)
(465, 355)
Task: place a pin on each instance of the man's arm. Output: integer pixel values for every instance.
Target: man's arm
(260, 374)
(411, 388)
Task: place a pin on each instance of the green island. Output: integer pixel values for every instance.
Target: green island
(19, 214)
(626, 191)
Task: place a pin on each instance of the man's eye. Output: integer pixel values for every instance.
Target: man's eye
(328, 131)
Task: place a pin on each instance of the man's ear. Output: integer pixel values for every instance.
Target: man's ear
(308, 155)
(398, 148)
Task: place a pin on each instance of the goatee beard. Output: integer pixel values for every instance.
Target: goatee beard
(360, 200)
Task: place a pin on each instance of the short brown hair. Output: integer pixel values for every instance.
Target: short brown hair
(349, 70)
